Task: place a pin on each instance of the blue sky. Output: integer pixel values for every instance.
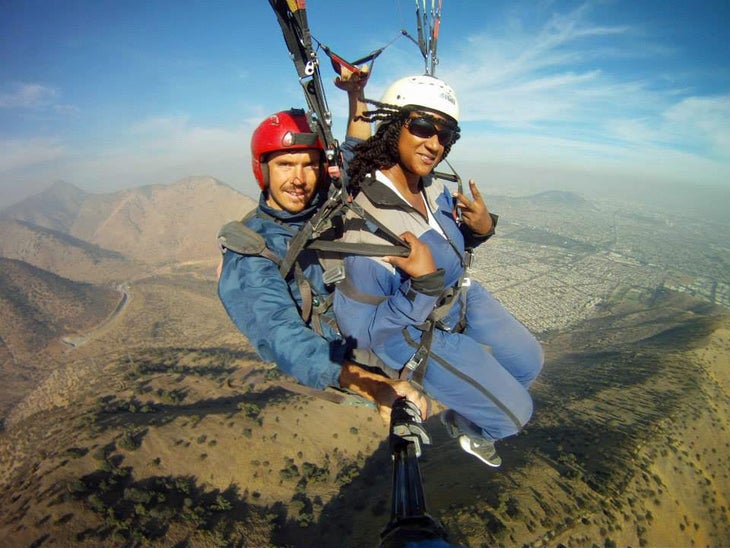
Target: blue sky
(112, 94)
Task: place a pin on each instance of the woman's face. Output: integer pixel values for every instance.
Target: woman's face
(422, 141)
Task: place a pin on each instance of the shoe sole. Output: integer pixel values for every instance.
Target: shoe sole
(465, 443)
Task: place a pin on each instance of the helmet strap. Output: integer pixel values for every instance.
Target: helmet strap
(265, 174)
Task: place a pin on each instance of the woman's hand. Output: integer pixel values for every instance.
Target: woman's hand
(474, 212)
(419, 262)
(353, 82)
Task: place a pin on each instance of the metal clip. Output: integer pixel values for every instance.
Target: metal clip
(310, 66)
(415, 362)
(334, 275)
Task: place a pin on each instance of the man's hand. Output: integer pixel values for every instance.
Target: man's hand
(419, 262)
(393, 390)
(474, 212)
(381, 390)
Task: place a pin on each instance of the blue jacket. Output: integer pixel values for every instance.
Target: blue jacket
(381, 309)
(379, 325)
(265, 307)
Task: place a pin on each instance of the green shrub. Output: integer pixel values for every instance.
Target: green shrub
(128, 441)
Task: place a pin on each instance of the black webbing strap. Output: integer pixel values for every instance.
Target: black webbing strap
(417, 365)
(350, 291)
(237, 231)
(352, 248)
(312, 229)
(415, 368)
(292, 18)
(305, 291)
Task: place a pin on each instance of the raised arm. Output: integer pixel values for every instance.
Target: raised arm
(354, 85)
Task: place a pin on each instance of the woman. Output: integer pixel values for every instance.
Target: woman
(420, 314)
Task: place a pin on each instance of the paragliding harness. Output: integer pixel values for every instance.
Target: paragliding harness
(238, 237)
(415, 368)
(241, 239)
(326, 225)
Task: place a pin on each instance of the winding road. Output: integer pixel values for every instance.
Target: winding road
(77, 340)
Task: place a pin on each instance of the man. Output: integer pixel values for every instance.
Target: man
(288, 164)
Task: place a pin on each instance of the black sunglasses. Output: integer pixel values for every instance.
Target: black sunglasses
(424, 128)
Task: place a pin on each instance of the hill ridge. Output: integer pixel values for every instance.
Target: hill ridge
(153, 224)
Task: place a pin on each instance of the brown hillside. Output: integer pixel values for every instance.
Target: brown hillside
(154, 224)
(56, 207)
(161, 224)
(166, 430)
(39, 306)
(62, 254)
(160, 427)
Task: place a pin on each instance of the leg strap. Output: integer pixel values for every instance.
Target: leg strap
(415, 368)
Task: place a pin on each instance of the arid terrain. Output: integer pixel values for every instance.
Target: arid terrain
(155, 424)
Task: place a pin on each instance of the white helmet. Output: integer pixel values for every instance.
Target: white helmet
(423, 91)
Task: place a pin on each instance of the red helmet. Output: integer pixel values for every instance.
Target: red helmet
(285, 130)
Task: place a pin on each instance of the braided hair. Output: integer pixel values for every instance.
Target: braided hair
(380, 151)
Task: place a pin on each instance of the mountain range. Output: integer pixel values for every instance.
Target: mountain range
(65, 252)
(134, 414)
(151, 225)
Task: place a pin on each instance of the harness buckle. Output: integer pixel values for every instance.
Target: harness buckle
(442, 326)
(419, 356)
(333, 275)
(468, 258)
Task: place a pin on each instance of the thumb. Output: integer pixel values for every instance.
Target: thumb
(408, 237)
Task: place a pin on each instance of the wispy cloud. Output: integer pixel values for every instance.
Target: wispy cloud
(702, 119)
(559, 92)
(27, 96)
(163, 149)
(25, 153)
(178, 138)
(554, 72)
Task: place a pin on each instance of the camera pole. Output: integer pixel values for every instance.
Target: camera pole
(409, 522)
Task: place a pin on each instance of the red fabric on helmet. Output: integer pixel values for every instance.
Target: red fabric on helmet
(285, 130)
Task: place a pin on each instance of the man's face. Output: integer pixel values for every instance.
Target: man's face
(293, 179)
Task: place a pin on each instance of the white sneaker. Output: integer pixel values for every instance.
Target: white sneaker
(481, 448)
